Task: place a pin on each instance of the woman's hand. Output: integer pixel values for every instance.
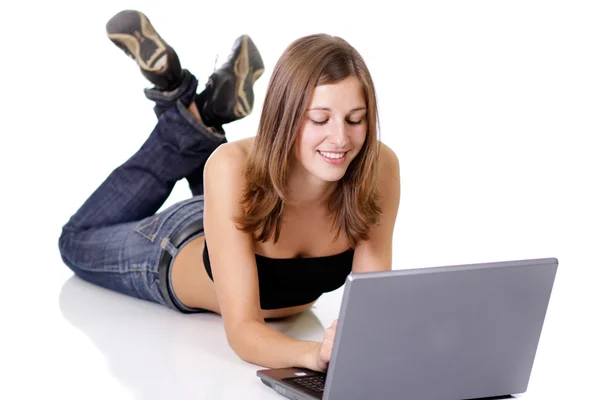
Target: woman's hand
(325, 347)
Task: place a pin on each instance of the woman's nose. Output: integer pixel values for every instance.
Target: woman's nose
(339, 135)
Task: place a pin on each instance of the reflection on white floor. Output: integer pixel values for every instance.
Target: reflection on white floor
(142, 350)
(158, 353)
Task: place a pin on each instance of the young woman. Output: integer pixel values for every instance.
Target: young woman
(275, 220)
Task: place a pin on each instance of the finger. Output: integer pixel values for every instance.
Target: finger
(327, 343)
(325, 354)
(329, 334)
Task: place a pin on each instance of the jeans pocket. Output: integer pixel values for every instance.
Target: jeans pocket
(149, 227)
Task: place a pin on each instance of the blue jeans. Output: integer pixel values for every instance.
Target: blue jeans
(117, 239)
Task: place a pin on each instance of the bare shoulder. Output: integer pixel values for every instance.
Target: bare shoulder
(389, 166)
(375, 254)
(229, 159)
(224, 183)
(236, 152)
(388, 181)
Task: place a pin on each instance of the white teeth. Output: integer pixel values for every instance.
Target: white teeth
(334, 156)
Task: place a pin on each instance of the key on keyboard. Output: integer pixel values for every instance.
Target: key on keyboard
(316, 383)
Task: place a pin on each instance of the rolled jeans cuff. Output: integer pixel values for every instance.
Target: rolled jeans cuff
(184, 93)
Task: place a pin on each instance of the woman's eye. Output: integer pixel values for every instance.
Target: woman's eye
(326, 120)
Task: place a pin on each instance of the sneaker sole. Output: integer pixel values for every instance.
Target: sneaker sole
(248, 67)
(133, 32)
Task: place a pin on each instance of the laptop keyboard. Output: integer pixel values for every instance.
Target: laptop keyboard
(315, 383)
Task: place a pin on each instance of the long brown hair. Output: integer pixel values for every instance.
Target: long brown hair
(306, 63)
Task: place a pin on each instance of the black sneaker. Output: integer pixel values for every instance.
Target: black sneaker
(133, 33)
(228, 95)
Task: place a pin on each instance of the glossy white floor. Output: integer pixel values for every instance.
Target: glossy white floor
(492, 108)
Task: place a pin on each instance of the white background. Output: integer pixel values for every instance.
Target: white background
(491, 107)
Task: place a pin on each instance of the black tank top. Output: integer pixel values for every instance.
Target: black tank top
(288, 282)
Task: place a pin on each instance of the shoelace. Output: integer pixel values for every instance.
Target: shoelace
(216, 59)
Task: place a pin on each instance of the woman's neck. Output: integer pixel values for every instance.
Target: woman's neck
(304, 190)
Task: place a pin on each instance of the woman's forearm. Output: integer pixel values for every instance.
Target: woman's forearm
(259, 344)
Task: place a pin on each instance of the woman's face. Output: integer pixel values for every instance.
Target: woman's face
(334, 129)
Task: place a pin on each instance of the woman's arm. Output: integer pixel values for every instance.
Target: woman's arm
(235, 274)
(375, 254)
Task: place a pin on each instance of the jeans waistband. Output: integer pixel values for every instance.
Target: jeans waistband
(166, 260)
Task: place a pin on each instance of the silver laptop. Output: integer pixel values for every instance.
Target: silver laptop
(451, 333)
